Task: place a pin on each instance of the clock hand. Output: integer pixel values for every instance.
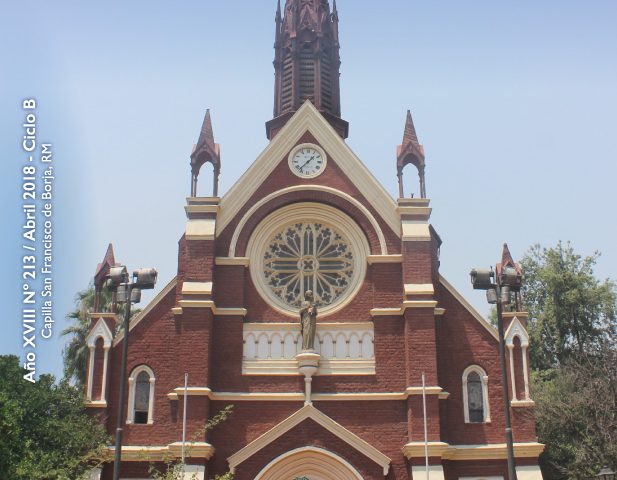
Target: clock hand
(307, 162)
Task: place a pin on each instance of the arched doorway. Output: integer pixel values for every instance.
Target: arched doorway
(311, 463)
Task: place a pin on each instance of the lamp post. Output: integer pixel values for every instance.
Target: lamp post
(499, 293)
(127, 292)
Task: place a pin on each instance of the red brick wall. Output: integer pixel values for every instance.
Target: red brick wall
(462, 342)
(383, 426)
(519, 379)
(97, 375)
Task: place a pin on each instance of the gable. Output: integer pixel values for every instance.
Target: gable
(308, 119)
(310, 412)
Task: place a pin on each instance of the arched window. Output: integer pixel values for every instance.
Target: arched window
(141, 396)
(475, 395)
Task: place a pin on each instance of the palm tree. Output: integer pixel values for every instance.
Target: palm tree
(76, 353)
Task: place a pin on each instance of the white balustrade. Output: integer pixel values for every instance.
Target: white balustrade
(345, 348)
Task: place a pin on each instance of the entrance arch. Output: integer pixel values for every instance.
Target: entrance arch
(310, 462)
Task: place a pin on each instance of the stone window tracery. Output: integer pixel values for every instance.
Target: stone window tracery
(308, 256)
(307, 246)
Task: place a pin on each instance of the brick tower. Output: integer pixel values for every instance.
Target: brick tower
(392, 343)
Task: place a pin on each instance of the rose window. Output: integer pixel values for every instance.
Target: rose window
(308, 256)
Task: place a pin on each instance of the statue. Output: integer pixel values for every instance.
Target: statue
(308, 321)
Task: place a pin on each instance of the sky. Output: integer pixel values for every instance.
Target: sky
(514, 103)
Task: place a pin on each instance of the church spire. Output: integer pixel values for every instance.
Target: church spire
(306, 63)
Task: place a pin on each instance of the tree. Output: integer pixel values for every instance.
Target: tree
(570, 310)
(573, 355)
(75, 353)
(46, 435)
(576, 414)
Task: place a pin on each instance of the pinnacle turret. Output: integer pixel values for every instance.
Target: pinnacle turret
(206, 150)
(410, 151)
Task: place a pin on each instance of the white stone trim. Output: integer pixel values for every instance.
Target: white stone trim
(139, 453)
(377, 259)
(435, 472)
(485, 323)
(299, 396)
(100, 330)
(485, 398)
(90, 372)
(516, 329)
(130, 414)
(316, 188)
(138, 318)
(492, 451)
(241, 261)
(310, 461)
(307, 211)
(528, 472)
(308, 118)
(419, 289)
(208, 208)
(197, 288)
(416, 231)
(488, 451)
(200, 229)
(306, 412)
(491, 477)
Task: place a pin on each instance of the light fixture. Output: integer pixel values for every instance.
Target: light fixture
(127, 292)
(499, 293)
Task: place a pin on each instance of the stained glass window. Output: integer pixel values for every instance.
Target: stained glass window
(475, 400)
(142, 397)
(308, 256)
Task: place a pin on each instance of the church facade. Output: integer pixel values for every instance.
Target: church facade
(311, 300)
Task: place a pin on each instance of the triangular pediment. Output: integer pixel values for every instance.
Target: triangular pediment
(100, 329)
(516, 329)
(308, 119)
(310, 412)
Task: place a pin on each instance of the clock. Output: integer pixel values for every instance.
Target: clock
(307, 160)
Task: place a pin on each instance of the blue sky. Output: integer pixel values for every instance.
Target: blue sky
(514, 102)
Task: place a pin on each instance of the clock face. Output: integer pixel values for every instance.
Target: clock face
(306, 161)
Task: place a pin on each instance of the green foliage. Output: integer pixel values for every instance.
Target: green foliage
(173, 469)
(570, 310)
(576, 414)
(76, 353)
(45, 433)
(572, 324)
